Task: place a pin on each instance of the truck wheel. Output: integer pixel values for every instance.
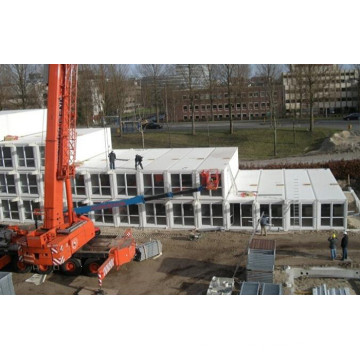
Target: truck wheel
(20, 267)
(91, 267)
(71, 267)
(44, 269)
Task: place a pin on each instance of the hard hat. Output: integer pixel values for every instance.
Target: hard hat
(334, 236)
(345, 232)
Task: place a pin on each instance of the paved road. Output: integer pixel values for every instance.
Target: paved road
(256, 124)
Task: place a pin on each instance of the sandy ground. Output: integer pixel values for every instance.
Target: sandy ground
(186, 267)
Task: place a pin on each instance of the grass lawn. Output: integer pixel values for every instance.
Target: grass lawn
(252, 143)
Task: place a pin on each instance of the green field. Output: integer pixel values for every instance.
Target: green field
(252, 143)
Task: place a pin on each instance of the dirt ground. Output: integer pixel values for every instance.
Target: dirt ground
(186, 267)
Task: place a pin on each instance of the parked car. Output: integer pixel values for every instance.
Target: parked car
(354, 116)
(153, 125)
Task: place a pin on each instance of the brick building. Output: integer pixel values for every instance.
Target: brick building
(249, 102)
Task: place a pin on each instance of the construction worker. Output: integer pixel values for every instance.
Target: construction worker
(344, 245)
(332, 240)
(138, 160)
(112, 158)
(264, 221)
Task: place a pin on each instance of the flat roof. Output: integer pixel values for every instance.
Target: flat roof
(288, 184)
(39, 138)
(177, 160)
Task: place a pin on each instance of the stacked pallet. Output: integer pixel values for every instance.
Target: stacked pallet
(261, 261)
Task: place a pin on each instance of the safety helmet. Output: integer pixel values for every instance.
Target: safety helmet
(334, 236)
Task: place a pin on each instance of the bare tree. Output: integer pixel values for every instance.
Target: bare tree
(154, 72)
(357, 68)
(210, 74)
(227, 73)
(192, 76)
(271, 74)
(5, 86)
(240, 82)
(86, 88)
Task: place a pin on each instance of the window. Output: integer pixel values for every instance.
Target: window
(255, 94)
(203, 107)
(10, 210)
(263, 105)
(184, 97)
(29, 207)
(183, 214)
(332, 215)
(244, 106)
(214, 107)
(42, 155)
(100, 184)
(153, 184)
(238, 106)
(28, 184)
(208, 107)
(185, 108)
(129, 215)
(126, 184)
(185, 117)
(250, 94)
(181, 182)
(196, 107)
(5, 157)
(256, 105)
(104, 215)
(212, 214)
(241, 215)
(262, 93)
(25, 156)
(7, 184)
(155, 214)
(220, 106)
(274, 212)
(301, 215)
(78, 185)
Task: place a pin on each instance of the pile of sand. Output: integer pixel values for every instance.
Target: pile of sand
(344, 141)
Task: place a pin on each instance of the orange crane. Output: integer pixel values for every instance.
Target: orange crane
(66, 240)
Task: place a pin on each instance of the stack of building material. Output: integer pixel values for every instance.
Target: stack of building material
(148, 250)
(6, 284)
(220, 286)
(261, 261)
(256, 288)
(271, 289)
(322, 290)
(250, 288)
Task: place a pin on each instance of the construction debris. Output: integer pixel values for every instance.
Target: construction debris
(322, 290)
(36, 279)
(221, 286)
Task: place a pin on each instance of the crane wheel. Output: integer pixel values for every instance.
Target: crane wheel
(20, 267)
(91, 267)
(71, 267)
(44, 269)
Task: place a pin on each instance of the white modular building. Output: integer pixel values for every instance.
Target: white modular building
(302, 199)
